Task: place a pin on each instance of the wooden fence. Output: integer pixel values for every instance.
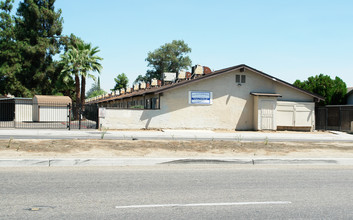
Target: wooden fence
(334, 117)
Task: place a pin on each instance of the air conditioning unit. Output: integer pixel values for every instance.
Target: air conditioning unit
(154, 82)
(182, 74)
(122, 91)
(169, 77)
(143, 85)
(136, 87)
(198, 70)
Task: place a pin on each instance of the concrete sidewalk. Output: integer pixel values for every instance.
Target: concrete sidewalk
(79, 162)
(176, 135)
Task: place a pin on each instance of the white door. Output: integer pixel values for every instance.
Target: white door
(267, 114)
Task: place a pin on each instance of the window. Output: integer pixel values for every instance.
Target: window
(237, 78)
(155, 103)
(240, 79)
(147, 104)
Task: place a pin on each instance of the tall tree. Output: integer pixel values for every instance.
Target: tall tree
(91, 62)
(79, 61)
(38, 28)
(66, 85)
(121, 81)
(333, 90)
(170, 57)
(70, 62)
(10, 58)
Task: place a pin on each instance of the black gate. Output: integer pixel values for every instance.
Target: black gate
(23, 113)
(83, 117)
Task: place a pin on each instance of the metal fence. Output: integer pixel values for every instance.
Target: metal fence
(83, 117)
(336, 118)
(26, 114)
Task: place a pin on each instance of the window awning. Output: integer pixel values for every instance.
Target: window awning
(265, 94)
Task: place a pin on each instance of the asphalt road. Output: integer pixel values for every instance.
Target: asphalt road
(177, 192)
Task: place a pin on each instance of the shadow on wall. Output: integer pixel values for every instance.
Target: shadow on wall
(246, 119)
(148, 114)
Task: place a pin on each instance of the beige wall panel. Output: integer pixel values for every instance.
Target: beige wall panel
(23, 112)
(296, 114)
(53, 113)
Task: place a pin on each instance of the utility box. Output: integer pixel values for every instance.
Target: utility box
(169, 77)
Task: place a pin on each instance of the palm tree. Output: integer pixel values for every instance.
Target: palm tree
(70, 63)
(90, 62)
(78, 61)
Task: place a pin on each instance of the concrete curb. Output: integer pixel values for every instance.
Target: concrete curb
(64, 162)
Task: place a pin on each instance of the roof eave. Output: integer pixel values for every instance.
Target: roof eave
(285, 83)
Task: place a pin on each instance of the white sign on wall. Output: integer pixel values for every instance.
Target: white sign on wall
(101, 113)
(200, 97)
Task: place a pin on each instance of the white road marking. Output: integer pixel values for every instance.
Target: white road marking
(204, 204)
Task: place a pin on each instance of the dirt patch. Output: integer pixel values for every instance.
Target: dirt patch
(138, 148)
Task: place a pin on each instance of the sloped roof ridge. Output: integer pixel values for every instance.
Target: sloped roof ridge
(225, 70)
(285, 83)
(163, 88)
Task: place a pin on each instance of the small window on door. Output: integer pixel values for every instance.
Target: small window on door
(240, 79)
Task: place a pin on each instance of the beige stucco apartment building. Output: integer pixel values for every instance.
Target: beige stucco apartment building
(235, 98)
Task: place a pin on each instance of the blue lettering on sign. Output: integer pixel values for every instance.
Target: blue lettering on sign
(200, 98)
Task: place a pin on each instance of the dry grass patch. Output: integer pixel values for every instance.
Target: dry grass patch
(174, 148)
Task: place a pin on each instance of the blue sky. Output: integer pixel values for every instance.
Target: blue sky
(289, 39)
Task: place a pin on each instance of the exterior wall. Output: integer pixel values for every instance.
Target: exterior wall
(23, 110)
(128, 118)
(256, 113)
(232, 107)
(296, 114)
(138, 102)
(350, 99)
